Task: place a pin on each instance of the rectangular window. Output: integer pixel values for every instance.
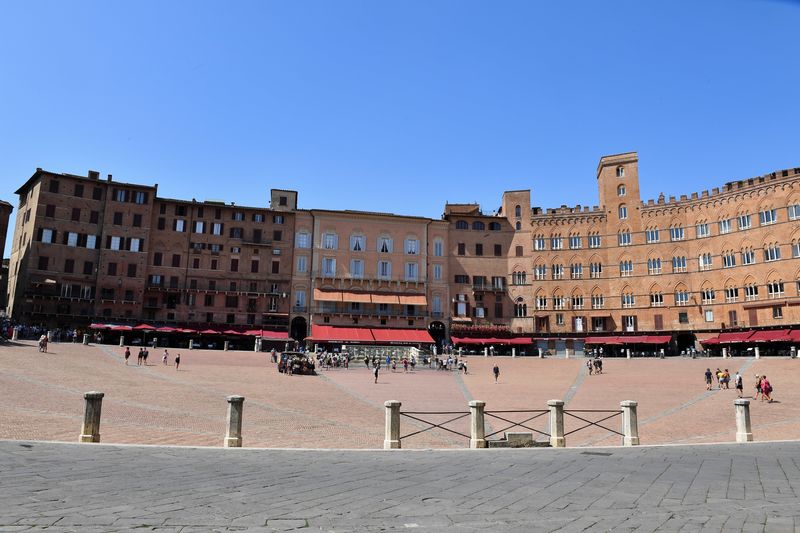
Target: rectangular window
(706, 261)
(462, 248)
(278, 219)
(595, 270)
(88, 268)
(594, 241)
(539, 243)
(137, 221)
(626, 268)
(411, 271)
(770, 216)
(94, 217)
(69, 266)
(357, 243)
(540, 271)
(702, 230)
(199, 226)
(54, 187)
(748, 257)
(558, 302)
(744, 221)
(576, 271)
(276, 267)
(112, 269)
(556, 242)
(498, 250)
(775, 289)
(117, 218)
(654, 266)
(438, 248)
(676, 234)
(518, 251)
(115, 243)
(777, 312)
(628, 301)
(558, 271)
(176, 260)
(624, 238)
(653, 235)
(135, 245)
(728, 260)
(437, 272)
(179, 225)
(478, 249)
(234, 265)
(356, 268)
(158, 257)
(656, 300)
(796, 249)
(598, 301)
(330, 241)
(216, 228)
(48, 235)
(76, 214)
(254, 266)
(328, 266)
(301, 264)
(131, 270)
(412, 246)
(794, 211)
(575, 242)
(751, 292)
(140, 197)
(772, 253)
(725, 226)
(385, 270)
(681, 298)
(731, 295)
(237, 216)
(577, 302)
(302, 240)
(461, 278)
(79, 190)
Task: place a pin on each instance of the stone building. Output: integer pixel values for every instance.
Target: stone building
(87, 249)
(5, 213)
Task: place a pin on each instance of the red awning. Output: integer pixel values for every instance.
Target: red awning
(335, 334)
(658, 339)
(773, 335)
(492, 340)
(401, 335)
(602, 340)
(231, 332)
(99, 326)
(210, 332)
(121, 328)
(712, 340)
(645, 339)
(467, 340)
(795, 335)
(166, 329)
(146, 327)
(735, 336)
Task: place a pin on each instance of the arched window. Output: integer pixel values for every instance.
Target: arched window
(620, 172)
(494, 226)
(478, 225)
(520, 308)
(623, 212)
(621, 190)
(462, 224)
(517, 211)
(519, 225)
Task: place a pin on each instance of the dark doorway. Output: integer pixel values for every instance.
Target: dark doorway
(684, 341)
(299, 328)
(437, 331)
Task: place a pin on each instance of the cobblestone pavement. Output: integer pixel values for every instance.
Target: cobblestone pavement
(105, 488)
(43, 398)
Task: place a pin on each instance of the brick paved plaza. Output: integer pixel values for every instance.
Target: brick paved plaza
(43, 398)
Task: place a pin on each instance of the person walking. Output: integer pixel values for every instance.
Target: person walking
(375, 371)
(738, 383)
(165, 357)
(177, 361)
(766, 389)
(758, 387)
(127, 354)
(708, 379)
(496, 372)
(589, 366)
(140, 357)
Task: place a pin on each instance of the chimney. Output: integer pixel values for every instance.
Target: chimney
(94, 175)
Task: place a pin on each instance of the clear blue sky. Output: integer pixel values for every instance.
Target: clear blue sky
(398, 106)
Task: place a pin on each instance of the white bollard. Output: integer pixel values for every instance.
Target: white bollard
(513, 352)
(744, 433)
(122, 340)
(392, 434)
(15, 334)
(724, 352)
(557, 439)
(758, 352)
(628, 353)
(477, 427)
(630, 423)
(225, 346)
(191, 344)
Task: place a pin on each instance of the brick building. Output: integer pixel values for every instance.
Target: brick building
(86, 248)
(5, 213)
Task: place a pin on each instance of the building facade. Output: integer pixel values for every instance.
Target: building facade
(5, 214)
(87, 249)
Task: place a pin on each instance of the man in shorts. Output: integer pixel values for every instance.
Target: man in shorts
(738, 383)
(708, 378)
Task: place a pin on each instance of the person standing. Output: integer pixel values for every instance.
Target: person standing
(589, 366)
(708, 379)
(177, 361)
(496, 372)
(127, 354)
(375, 371)
(758, 387)
(165, 357)
(738, 383)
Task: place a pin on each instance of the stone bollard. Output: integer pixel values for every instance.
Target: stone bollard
(91, 417)
(513, 352)
(724, 352)
(392, 436)
(630, 423)
(485, 351)
(477, 431)
(15, 334)
(758, 352)
(744, 432)
(557, 439)
(627, 353)
(86, 339)
(122, 340)
(233, 437)
(191, 344)
(225, 346)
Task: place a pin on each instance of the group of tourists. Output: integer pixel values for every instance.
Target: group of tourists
(723, 379)
(595, 365)
(144, 353)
